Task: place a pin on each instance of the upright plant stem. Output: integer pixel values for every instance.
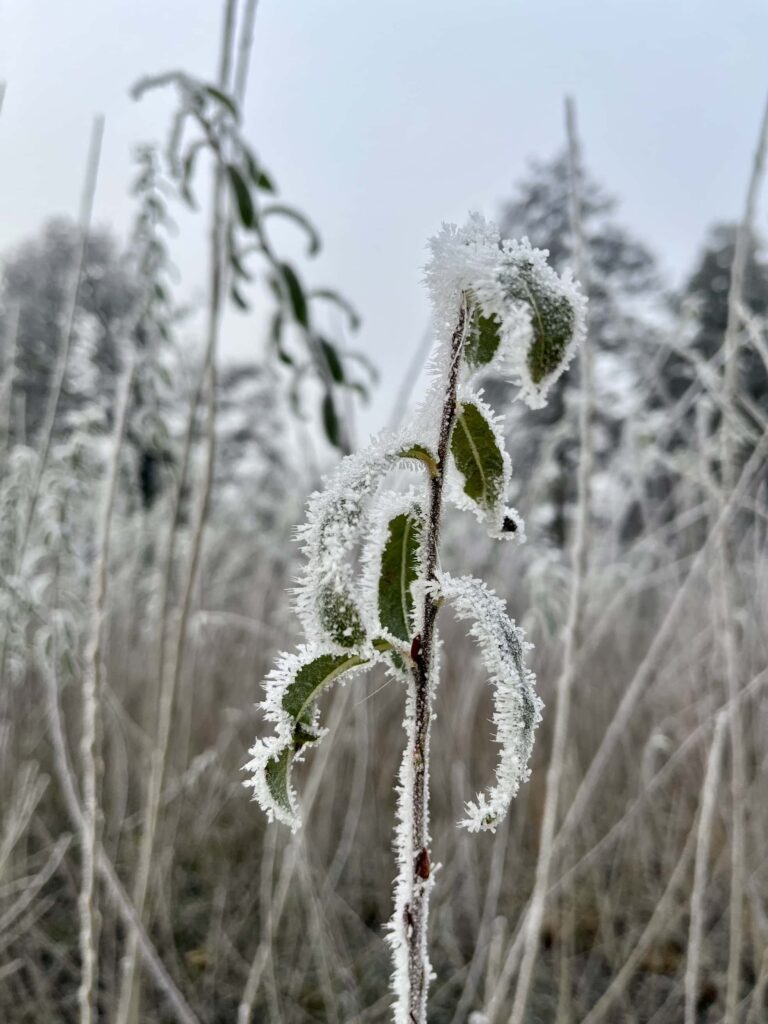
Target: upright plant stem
(580, 555)
(244, 52)
(9, 373)
(418, 742)
(703, 841)
(725, 587)
(92, 686)
(180, 1009)
(171, 671)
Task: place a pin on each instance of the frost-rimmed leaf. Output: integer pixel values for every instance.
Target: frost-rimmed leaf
(398, 571)
(292, 689)
(483, 340)
(421, 454)
(554, 308)
(537, 315)
(328, 601)
(517, 707)
(480, 458)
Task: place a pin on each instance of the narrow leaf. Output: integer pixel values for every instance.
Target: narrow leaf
(517, 707)
(311, 679)
(259, 177)
(281, 210)
(333, 361)
(399, 569)
(223, 99)
(296, 296)
(331, 421)
(242, 194)
(277, 773)
(478, 457)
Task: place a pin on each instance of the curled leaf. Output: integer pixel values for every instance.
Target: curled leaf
(517, 707)
(292, 691)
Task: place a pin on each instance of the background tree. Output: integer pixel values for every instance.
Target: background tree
(36, 281)
(624, 287)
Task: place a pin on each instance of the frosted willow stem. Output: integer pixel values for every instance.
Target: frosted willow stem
(418, 744)
(573, 628)
(725, 581)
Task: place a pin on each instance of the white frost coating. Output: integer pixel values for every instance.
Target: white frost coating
(506, 279)
(519, 257)
(399, 926)
(334, 524)
(494, 517)
(517, 707)
(337, 519)
(264, 750)
(388, 505)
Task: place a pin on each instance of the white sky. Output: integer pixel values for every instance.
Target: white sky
(382, 120)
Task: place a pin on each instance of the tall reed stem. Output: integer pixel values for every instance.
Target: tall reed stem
(171, 671)
(725, 582)
(579, 559)
(92, 687)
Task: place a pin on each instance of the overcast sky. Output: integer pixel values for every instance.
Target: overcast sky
(383, 119)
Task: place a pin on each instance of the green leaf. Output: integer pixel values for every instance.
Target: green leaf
(552, 320)
(483, 340)
(242, 195)
(331, 421)
(188, 172)
(277, 774)
(339, 616)
(399, 569)
(259, 177)
(238, 298)
(223, 99)
(311, 679)
(298, 702)
(478, 457)
(333, 360)
(418, 451)
(296, 296)
(282, 210)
